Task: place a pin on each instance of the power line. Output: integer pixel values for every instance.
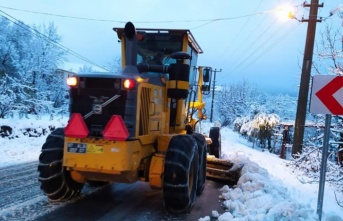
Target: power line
(207, 21)
(263, 53)
(120, 21)
(240, 31)
(57, 15)
(47, 38)
(154, 22)
(250, 46)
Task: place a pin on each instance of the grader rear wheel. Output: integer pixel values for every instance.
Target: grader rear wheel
(55, 181)
(180, 174)
(201, 143)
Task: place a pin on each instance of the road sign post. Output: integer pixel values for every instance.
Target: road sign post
(326, 98)
(323, 166)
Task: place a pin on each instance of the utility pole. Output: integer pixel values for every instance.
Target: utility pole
(214, 85)
(305, 76)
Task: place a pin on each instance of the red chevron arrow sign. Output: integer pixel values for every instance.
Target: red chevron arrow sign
(327, 95)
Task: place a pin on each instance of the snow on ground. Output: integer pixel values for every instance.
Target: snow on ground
(267, 190)
(24, 148)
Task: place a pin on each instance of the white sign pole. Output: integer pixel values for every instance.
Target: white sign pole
(323, 165)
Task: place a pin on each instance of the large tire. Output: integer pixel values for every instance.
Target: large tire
(180, 174)
(215, 148)
(201, 143)
(55, 181)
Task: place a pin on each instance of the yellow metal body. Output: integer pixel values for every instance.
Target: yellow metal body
(113, 159)
(121, 161)
(156, 171)
(157, 161)
(199, 104)
(141, 158)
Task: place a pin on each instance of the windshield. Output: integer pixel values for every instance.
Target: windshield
(156, 47)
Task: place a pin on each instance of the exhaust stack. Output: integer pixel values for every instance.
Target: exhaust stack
(130, 68)
(131, 44)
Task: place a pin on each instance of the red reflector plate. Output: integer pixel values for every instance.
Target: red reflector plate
(76, 127)
(116, 129)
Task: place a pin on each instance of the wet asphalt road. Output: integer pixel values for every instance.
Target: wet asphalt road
(21, 199)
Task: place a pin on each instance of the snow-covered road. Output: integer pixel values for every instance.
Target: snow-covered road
(266, 173)
(23, 200)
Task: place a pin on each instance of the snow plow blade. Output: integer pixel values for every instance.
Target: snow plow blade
(222, 170)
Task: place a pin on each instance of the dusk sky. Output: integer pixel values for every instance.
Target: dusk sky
(246, 40)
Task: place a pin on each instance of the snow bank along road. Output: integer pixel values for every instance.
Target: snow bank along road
(22, 199)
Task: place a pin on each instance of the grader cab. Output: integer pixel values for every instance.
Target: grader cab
(136, 126)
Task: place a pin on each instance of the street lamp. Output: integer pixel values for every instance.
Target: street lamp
(285, 12)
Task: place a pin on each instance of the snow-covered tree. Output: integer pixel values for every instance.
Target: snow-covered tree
(261, 126)
(244, 101)
(235, 100)
(86, 69)
(7, 97)
(6, 64)
(282, 105)
(114, 65)
(329, 52)
(49, 85)
(29, 59)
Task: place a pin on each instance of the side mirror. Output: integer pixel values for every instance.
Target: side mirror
(206, 75)
(206, 80)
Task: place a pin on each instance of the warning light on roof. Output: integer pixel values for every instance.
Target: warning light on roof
(140, 37)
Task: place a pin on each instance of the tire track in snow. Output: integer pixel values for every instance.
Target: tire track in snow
(21, 197)
(18, 167)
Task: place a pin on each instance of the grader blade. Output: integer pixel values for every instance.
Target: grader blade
(222, 170)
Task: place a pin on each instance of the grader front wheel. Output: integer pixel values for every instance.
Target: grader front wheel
(55, 181)
(180, 174)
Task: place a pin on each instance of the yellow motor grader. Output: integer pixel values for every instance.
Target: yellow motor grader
(138, 125)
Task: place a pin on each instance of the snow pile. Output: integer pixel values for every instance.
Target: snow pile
(268, 188)
(257, 196)
(32, 126)
(260, 197)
